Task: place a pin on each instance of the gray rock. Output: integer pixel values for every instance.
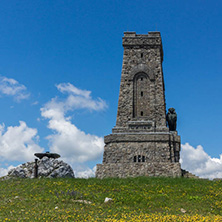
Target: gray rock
(47, 167)
(183, 211)
(82, 201)
(107, 200)
(187, 174)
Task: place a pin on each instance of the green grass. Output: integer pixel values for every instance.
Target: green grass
(142, 197)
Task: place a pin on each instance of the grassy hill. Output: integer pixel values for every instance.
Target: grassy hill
(134, 199)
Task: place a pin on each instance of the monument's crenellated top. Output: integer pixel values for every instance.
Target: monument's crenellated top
(150, 34)
(151, 40)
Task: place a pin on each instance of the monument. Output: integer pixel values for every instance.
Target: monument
(141, 144)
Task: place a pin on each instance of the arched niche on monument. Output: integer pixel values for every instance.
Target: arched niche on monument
(141, 83)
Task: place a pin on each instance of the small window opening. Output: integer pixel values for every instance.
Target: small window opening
(139, 159)
(142, 93)
(141, 55)
(143, 158)
(141, 78)
(141, 113)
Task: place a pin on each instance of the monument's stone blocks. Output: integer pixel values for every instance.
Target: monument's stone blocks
(137, 169)
(142, 88)
(141, 143)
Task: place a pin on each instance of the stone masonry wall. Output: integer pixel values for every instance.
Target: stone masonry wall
(138, 169)
(140, 143)
(125, 152)
(158, 152)
(154, 147)
(142, 54)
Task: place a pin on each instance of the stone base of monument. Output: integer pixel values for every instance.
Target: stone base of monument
(123, 170)
(140, 154)
(47, 167)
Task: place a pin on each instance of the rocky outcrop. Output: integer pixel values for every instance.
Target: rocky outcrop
(187, 174)
(47, 167)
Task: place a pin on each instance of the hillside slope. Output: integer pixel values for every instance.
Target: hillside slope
(134, 199)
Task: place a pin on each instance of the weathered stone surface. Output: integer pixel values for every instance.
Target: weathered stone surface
(183, 211)
(47, 167)
(140, 143)
(187, 174)
(108, 200)
(82, 201)
(48, 154)
(151, 169)
(142, 72)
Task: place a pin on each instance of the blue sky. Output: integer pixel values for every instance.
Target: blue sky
(45, 45)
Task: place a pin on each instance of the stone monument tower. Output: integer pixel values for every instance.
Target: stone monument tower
(141, 144)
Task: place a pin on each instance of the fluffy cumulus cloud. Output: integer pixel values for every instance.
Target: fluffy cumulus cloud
(79, 99)
(198, 162)
(18, 143)
(84, 172)
(74, 145)
(4, 171)
(11, 87)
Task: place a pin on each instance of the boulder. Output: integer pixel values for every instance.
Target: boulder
(187, 174)
(47, 167)
(107, 200)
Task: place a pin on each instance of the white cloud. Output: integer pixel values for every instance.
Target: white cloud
(80, 99)
(18, 143)
(69, 88)
(4, 171)
(11, 87)
(85, 172)
(35, 103)
(198, 162)
(74, 145)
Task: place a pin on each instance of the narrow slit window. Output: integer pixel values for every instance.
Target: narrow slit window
(142, 93)
(143, 158)
(141, 55)
(134, 159)
(141, 113)
(141, 78)
(139, 158)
